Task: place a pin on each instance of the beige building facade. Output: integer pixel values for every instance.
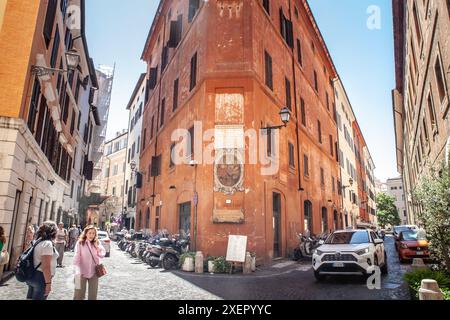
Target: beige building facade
(421, 97)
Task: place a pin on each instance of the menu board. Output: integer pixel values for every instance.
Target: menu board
(237, 248)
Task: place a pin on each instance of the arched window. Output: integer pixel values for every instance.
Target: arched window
(308, 216)
(324, 220)
(147, 219)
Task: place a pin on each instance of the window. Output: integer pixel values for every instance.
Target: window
(316, 84)
(305, 165)
(164, 58)
(193, 80)
(191, 146)
(107, 172)
(287, 84)
(138, 145)
(114, 191)
(432, 113)
(133, 149)
(72, 121)
(268, 70)
(291, 156)
(34, 104)
(55, 49)
(286, 29)
(319, 131)
(156, 166)
(175, 94)
(266, 5)
(171, 156)
(331, 146)
(176, 29)
(144, 139)
(303, 111)
(152, 128)
(49, 20)
(163, 111)
(124, 167)
(439, 80)
(332, 185)
(193, 7)
(269, 142)
(115, 170)
(324, 220)
(129, 155)
(153, 80)
(328, 102)
(299, 52)
(116, 146)
(322, 177)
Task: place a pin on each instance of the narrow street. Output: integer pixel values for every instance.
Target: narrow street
(129, 279)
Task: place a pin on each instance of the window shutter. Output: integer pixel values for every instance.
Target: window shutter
(289, 33)
(164, 58)
(153, 78)
(156, 166)
(193, 79)
(173, 40)
(138, 180)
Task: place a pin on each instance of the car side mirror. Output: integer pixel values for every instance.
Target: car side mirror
(378, 241)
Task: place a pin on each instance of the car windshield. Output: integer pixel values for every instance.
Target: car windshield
(102, 235)
(413, 236)
(350, 237)
(402, 228)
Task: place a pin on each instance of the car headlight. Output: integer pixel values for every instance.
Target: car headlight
(318, 252)
(403, 246)
(362, 251)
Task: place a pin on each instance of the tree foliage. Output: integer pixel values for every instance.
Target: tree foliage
(432, 197)
(387, 213)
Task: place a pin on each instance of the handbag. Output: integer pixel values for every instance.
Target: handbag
(100, 269)
(4, 258)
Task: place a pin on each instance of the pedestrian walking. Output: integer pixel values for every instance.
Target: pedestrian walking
(88, 252)
(29, 235)
(74, 234)
(61, 241)
(44, 260)
(4, 257)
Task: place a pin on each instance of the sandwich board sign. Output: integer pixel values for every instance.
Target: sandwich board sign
(237, 248)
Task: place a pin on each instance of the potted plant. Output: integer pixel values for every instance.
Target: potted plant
(187, 261)
(221, 265)
(414, 280)
(208, 264)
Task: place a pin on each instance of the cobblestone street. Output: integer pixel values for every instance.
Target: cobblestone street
(129, 279)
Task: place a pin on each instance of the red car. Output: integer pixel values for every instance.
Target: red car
(412, 244)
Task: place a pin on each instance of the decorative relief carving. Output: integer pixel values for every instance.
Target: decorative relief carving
(229, 171)
(230, 8)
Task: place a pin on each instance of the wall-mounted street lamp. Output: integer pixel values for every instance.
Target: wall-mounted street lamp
(285, 115)
(350, 181)
(72, 59)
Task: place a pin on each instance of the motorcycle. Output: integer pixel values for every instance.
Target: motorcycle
(307, 245)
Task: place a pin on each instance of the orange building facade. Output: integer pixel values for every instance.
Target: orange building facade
(222, 71)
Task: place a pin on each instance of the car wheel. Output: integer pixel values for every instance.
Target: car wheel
(384, 268)
(319, 277)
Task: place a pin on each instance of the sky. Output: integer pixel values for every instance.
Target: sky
(364, 58)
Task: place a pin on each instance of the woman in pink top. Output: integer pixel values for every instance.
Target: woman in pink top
(88, 252)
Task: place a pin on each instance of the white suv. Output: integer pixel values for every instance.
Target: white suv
(350, 252)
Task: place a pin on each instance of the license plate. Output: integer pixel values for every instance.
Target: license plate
(420, 253)
(338, 265)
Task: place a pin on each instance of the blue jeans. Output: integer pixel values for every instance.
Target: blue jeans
(36, 287)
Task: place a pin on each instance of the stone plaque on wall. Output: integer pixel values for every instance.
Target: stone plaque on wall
(228, 216)
(229, 108)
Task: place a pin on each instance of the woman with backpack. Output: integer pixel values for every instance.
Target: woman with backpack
(88, 252)
(44, 259)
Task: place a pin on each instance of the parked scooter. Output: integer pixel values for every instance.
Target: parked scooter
(307, 245)
(171, 254)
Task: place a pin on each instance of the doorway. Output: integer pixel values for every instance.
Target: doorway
(276, 225)
(185, 218)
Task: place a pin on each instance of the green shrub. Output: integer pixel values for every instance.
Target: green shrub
(186, 255)
(446, 293)
(414, 279)
(221, 265)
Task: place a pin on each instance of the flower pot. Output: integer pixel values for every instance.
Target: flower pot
(211, 266)
(188, 264)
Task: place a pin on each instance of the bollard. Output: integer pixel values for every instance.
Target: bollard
(429, 290)
(199, 262)
(247, 264)
(418, 264)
